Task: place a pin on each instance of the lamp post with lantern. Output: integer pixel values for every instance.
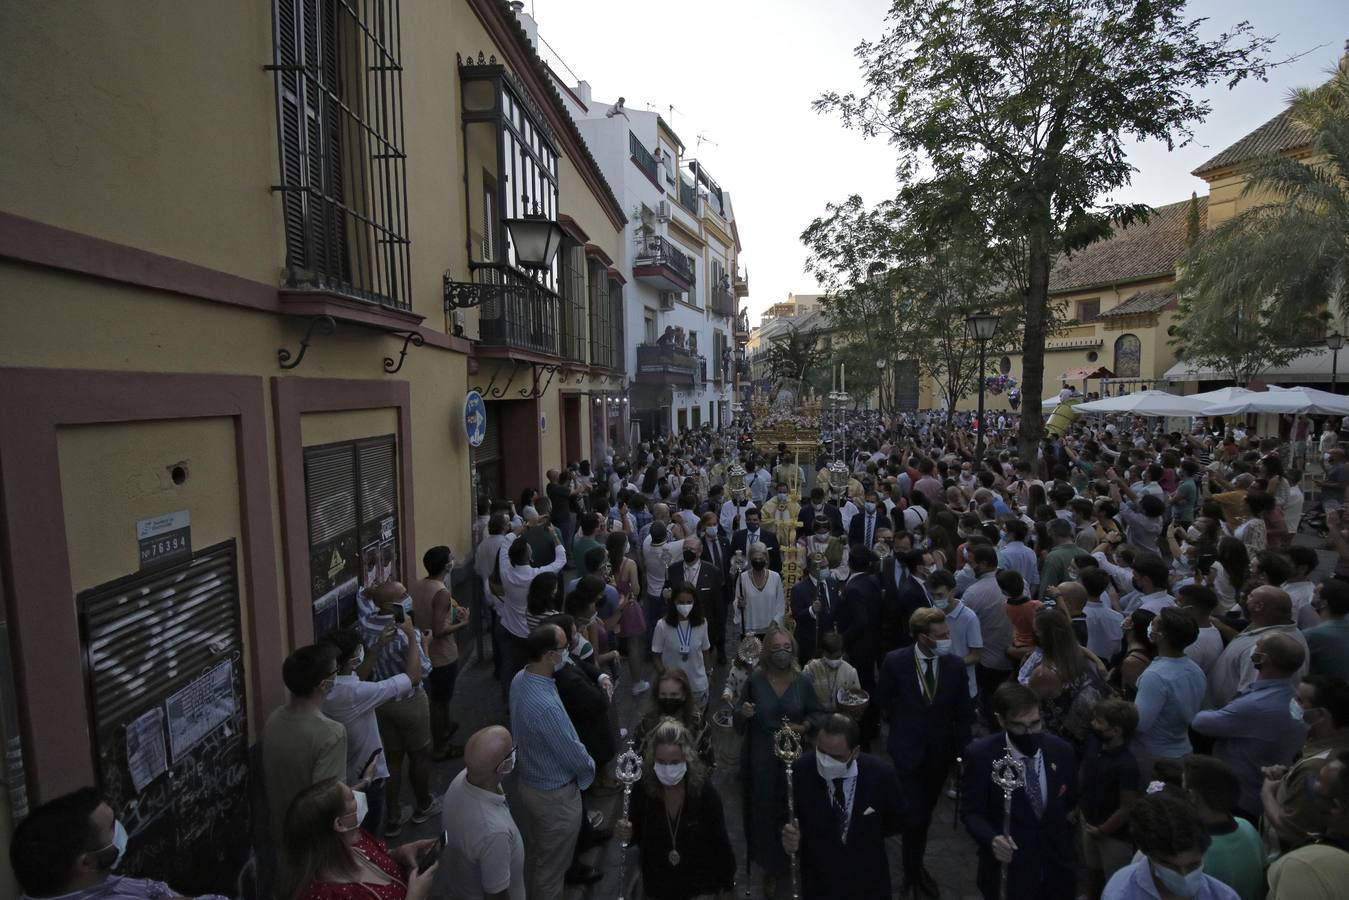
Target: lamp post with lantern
(1334, 341)
(982, 326)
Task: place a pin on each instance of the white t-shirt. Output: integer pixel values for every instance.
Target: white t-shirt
(681, 647)
(486, 854)
(656, 560)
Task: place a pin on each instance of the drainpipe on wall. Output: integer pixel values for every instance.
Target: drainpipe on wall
(16, 783)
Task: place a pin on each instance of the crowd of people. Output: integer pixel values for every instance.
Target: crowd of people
(1121, 656)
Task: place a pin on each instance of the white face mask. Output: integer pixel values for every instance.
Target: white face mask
(833, 663)
(507, 765)
(1295, 710)
(1186, 885)
(684, 609)
(360, 654)
(830, 768)
(943, 646)
(362, 808)
(670, 774)
(119, 840)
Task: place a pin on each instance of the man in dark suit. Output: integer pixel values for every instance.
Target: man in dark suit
(924, 694)
(856, 621)
(902, 593)
(863, 527)
(847, 803)
(717, 554)
(1040, 846)
(814, 599)
(693, 572)
(751, 534)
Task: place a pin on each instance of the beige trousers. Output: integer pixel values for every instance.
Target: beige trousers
(550, 825)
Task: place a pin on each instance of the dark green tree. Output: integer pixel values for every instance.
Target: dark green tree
(794, 355)
(1020, 109)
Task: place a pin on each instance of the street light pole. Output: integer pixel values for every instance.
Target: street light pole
(1334, 341)
(982, 325)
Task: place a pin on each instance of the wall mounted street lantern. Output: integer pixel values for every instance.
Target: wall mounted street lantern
(536, 239)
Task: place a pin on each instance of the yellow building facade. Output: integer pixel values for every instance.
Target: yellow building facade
(232, 391)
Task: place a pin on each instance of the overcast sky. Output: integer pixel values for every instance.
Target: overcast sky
(742, 74)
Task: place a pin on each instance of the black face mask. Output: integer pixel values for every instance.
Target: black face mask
(670, 706)
(1028, 744)
(690, 557)
(758, 564)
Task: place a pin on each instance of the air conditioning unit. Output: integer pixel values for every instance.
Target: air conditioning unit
(663, 211)
(667, 300)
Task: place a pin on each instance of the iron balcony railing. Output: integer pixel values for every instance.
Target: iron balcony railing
(722, 302)
(688, 196)
(656, 250)
(642, 157)
(521, 313)
(664, 363)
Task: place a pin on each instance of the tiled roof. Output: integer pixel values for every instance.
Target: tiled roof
(1278, 134)
(1143, 250)
(1142, 303)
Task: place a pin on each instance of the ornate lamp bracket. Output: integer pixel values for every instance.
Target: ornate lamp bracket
(319, 324)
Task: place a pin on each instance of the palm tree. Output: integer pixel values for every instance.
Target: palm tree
(1291, 253)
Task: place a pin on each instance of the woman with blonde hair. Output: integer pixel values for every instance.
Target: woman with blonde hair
(759, 597)
(1069, 679)
(677, 822)
(326, 855)
(777, 690)
(673, 699)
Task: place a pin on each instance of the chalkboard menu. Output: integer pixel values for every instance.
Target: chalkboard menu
(164, 674)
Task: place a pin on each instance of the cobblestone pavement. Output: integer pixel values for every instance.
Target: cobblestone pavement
(477, 703)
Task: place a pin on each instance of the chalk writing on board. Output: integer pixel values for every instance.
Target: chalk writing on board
(145, 758)
(197, 709)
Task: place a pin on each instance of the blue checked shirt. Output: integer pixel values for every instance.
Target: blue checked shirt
(391, 659)
(549, 752)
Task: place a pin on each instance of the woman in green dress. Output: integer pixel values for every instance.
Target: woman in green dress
(776, 690)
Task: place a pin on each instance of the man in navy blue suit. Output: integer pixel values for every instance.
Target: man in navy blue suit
(924, 695)
(814, 599)
(751, 534)
(847, 803)
(1040, 846)
(903, 592)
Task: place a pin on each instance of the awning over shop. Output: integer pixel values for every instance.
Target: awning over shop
(1085, 372)
(1312, 365)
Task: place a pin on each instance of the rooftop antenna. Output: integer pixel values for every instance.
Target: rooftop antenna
(672, 111)
(704, 139)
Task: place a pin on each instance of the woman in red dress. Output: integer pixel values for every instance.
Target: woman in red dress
(328, 856)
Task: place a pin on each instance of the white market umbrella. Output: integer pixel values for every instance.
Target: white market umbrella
(1221, 395)
(1304, 400)
(1142, 403)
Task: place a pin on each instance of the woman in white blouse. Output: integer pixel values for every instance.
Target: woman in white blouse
(759, 598)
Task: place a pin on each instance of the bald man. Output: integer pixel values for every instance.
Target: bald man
(1256, 729)
(485, 858)
(1270, 611)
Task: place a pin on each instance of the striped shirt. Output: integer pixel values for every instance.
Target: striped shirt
(549, 752)
(391, 659)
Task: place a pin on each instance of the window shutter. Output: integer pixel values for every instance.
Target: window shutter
(490, 449)
(329, 483)
(379, 479)
(292, 142)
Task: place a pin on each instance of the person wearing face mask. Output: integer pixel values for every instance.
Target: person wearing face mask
(1110, 785)
(781, 507)
(328, 856)
(716, 551)
(353, 700)
(752, 534)
(967, 640)
(696, 574)
(300, 745)
(404, 724)
(1320, 870)
(759, 598)
(1039, 848)
(1269, 611)
(863, 527)
(485, 858)
(813, 599)
(681, 641)
(831, 673)
(677, 823)
(1291, 814)
(1172, 840)
(902, 592)
(924, 694)
(1263, 725)
(554, 767)
(433, 605)
(672, 698)
(847, 804)
(776, 691)
(68, 848)
(1235, 855)
(1170, 692)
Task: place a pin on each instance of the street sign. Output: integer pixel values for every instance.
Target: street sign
(475, 419)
